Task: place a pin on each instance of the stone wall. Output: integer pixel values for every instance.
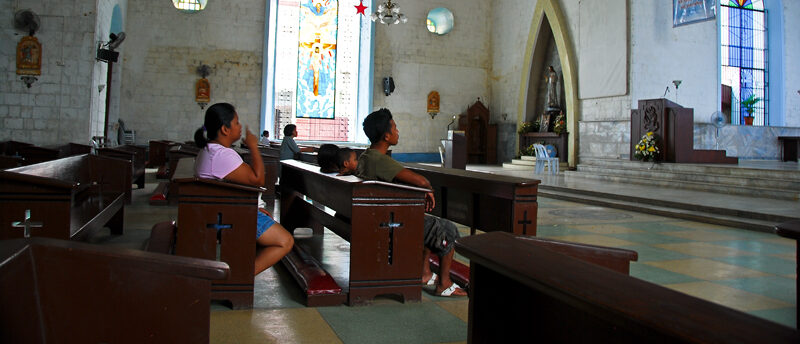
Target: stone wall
(791, 37)
(456, 65)
(161, 55)
(56, 108)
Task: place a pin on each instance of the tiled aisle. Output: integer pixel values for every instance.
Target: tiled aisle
(749, 271)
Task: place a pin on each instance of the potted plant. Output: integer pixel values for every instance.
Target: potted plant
(749, 105)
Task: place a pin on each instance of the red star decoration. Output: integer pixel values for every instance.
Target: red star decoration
(360, 8)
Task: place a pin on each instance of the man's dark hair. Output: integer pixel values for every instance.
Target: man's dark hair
(342, 156)
(289, 129)
(265, 133)
(326, 158)
(377, 124)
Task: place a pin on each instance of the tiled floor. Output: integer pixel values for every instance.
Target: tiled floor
(750, 271)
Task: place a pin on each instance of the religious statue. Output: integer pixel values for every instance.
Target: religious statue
(553, 101)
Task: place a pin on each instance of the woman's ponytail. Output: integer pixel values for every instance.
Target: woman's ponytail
(200, 137)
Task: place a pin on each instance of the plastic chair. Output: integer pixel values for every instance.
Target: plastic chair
(542, 159)
(125, 136)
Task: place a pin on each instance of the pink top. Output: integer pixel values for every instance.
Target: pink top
(216, 161)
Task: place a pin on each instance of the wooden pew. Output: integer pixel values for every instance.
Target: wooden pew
(162, 195)
(206, 207)
(12, 148)
(521, 290)
(382, 221)
(60, 291)
(65, 198)
(135, 154)
(485, 201)
(271, 160)
(791, 230)
(157, 153)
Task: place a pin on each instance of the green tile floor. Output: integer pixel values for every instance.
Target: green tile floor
(749, 271)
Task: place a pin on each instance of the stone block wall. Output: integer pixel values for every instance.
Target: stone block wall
(162, 52)
(456, 65)
(56, 108)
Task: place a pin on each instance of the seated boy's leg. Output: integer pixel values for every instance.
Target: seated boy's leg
(440, 236)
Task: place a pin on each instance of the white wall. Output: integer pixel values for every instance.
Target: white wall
(456, 65)
(55, 110)
(791, 38)
(162, 51)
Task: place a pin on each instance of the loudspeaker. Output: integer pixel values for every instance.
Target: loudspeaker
(106, 55)
(388, 85)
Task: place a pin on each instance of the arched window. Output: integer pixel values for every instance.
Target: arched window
(743, 30)
(190, 5)
(321, 55)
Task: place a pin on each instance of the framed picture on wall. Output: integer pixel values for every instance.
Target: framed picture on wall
(692, 11)
(544, 122)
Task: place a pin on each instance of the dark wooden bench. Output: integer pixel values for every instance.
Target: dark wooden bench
(137, 156)
(523, 290)
(790, 145)
(162, 194)
(64, 198)
(791, 230)
(382, 221)
(157, 153)
(212, 212)
(55, 290)
(271, 160)
(485, 201)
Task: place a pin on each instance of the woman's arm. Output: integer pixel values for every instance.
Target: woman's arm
(249, 174)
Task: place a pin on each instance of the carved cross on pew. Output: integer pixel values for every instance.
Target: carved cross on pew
(27, 224)
(525, 222)
(219, 226)
(391, 225)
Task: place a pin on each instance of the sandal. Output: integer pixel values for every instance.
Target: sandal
(432, 281)
(450, 290)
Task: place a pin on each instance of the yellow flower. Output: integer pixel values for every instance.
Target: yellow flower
(651, 149)
(649, 133)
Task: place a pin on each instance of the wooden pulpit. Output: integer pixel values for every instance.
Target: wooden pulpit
(455, 150)
(673, 125)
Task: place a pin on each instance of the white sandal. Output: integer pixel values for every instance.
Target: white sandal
(450, 290)
(432, 281)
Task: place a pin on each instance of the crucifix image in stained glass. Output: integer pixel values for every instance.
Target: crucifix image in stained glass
(316, 68)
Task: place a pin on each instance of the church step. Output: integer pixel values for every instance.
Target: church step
(682, 206)
(716, 169)
(770, 193)
(726, 180)
(648, 206)
(513, 166)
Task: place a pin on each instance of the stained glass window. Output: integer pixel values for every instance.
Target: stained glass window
(190, 5)
(743, 33)
(316, 83)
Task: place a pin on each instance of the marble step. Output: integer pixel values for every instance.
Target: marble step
(764, 182)
(770, 193)
(713, 215)
(715, 169)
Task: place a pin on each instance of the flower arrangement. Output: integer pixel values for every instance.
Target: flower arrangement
(560, 125)
(530, 151)
(528, 127)
(647, 148)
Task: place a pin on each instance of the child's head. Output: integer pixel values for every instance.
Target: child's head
(346, 161)
(265, 133)
(326, 158)
(377, 124)
(217, 115)
(289, 130)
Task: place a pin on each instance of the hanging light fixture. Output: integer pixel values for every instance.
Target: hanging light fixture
(389, 13)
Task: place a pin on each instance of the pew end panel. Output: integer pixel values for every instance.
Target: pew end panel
(66, 198)
(520, 288)
(483, 201)
(382, 221)
(117, 295)
(207, 206)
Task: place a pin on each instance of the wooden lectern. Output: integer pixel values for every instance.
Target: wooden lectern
(674, 127)
(455, 150)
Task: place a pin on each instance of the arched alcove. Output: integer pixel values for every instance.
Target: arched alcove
(548, 25)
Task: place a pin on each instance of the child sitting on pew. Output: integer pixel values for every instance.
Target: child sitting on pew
(439, 234)
(326, 158)
(346, 161)
(217, 160)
